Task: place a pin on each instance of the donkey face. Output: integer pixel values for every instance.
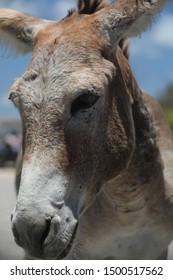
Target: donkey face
(76, 113)
(73, 136)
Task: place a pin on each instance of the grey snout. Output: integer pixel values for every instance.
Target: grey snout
(31, 230)
(43, 235)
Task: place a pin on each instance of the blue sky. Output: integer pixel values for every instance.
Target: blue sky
(151, 54)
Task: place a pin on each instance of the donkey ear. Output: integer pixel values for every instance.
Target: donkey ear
(127, 18)
(19, 29)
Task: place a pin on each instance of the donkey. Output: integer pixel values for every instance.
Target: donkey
(96, 179)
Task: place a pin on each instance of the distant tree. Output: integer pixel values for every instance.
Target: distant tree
(166, 101)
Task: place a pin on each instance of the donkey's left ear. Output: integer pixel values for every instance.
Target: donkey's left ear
(19, 29)
(126, 18)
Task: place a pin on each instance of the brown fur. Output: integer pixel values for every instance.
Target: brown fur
(96, 177)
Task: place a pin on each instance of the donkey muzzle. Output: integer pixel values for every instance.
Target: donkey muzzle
(44, 235)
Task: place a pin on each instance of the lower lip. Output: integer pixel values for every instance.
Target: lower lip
(67, 250)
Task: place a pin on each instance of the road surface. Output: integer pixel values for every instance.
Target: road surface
(8, 248)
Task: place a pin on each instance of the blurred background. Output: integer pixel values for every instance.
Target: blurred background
(151, 59)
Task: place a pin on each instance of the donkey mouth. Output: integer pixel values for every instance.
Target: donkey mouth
(68, 248)
(53, 250)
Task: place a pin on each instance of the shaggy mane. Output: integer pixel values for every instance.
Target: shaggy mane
(89, 7)
(124, 45)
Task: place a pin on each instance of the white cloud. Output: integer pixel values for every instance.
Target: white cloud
(151, 43)
(163, 35)
(144, 46)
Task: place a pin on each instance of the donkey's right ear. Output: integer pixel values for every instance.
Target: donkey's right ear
(126, 18)
(19, 29)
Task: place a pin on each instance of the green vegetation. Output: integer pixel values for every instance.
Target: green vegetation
(166, 102)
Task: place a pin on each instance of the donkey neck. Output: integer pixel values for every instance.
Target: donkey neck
(146, 160)
(144, 174)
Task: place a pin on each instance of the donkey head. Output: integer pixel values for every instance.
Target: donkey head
(75, 106)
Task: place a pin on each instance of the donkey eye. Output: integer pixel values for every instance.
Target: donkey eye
(83, 102)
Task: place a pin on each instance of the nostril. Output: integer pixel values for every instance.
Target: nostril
(51, 226)
(11, 218)
(46, 231)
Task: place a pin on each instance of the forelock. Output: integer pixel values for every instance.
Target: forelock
(89, 6)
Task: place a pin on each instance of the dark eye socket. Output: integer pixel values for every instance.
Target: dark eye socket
(83, 102)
